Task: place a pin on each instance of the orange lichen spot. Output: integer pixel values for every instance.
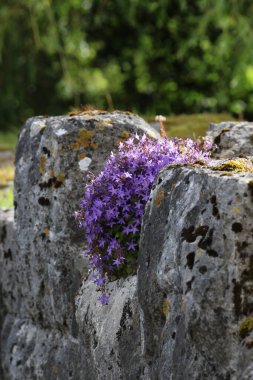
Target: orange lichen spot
(75, 146)
(81, 156)
(58, 181)
(46, 231)
(85, 136)
(42, 164)
(93, 145)
(249, 343)
(124, 135)
(159, 197)
(84, 140)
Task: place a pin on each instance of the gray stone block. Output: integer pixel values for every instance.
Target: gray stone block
(188, 314)
(53, 158)
(231, 138)
(195, 279)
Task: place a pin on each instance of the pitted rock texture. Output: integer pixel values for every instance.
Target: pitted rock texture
(188, 314)
(231, 138)
(112, 332)
(8, 260)
(195, 279)
(53, 157)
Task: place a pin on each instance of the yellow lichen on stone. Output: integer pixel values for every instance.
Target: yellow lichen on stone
(124, 135)
(246, 326)
(42, 164)
(85, 135)
(235, 211)
(198, 252)
(61, 177)
(165, 307)
(237, 165)
(200, 163)
(159, 197)
(84, 140)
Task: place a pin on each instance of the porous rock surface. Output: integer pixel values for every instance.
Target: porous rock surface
(41, 338)
(186, 315)
(195, 281)
(231, 138)
(8, 260)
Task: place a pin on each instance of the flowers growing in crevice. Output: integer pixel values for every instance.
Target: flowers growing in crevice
(113, 204)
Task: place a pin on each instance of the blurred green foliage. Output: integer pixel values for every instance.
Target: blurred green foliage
(8, 140)
(6, 197)
(152, 57)
(192, 126)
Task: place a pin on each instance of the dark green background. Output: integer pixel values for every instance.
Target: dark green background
(150, 57)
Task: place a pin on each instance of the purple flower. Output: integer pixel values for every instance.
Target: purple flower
(134, 229)
(113, 204)
(131, 246)
(127, 230)
(99, 280)
(104, 299)
(117, 262)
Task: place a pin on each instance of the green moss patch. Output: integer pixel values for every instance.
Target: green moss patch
(246, 326)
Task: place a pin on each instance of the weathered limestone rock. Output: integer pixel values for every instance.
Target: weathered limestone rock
(7, 260)
(8, 295)
(188, 314)
(195, 281)
(231, 138)
(40, 336)
(112, 333)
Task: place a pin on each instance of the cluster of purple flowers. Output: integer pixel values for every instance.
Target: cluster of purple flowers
(114, 201)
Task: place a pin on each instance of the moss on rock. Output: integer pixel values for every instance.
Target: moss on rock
(236, 165)
(246, 326)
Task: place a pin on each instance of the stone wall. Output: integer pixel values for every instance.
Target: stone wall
(191, 299)
(195, 280)
(41, 338)
(231, 138)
